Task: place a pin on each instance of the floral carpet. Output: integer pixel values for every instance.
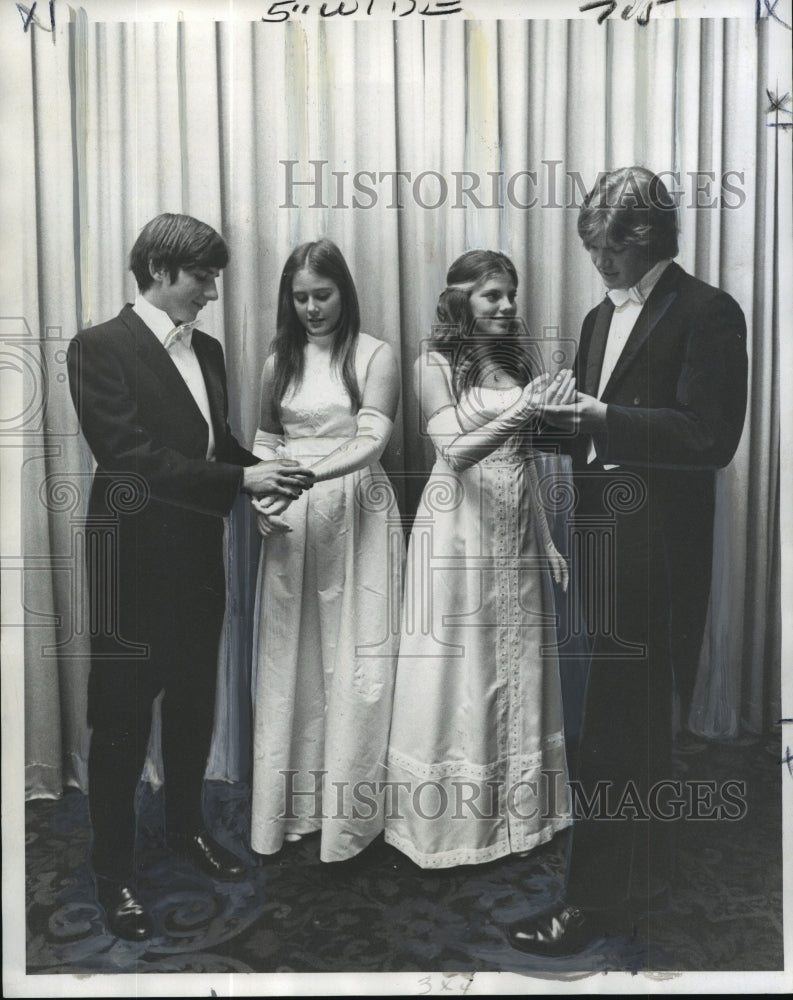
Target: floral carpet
(380, 913)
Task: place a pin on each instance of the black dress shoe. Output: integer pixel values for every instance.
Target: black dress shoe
(127, 918)
(562, 930)
(207, 854)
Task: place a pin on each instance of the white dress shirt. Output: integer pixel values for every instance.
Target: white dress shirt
(183, 356)
(628, 304)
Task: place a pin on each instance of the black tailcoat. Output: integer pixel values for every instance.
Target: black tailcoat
(676, 403)
(154, 538)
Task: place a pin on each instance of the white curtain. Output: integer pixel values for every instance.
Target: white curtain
(121, 121)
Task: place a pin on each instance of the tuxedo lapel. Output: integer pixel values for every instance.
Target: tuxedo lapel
(154, 356)
(597, 347)
(214, 385)
(660, 299)
(159, 363)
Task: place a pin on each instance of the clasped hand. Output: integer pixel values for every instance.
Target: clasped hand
(282, 477)
(546, 390)
(268, 519)
(581, 413)
(274, 485)
(561, 405)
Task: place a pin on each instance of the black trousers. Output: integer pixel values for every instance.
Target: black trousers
(690, 550)
(182, 638)
(621, 845)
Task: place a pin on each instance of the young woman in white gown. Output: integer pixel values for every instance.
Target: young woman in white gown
(327, 604)
(476, 763)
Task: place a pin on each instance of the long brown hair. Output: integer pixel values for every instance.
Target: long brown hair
(454, 332)
(324, 258)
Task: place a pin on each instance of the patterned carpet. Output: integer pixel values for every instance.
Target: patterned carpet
(382, 914)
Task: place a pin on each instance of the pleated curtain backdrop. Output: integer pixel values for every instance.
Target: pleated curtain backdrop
(229, 121)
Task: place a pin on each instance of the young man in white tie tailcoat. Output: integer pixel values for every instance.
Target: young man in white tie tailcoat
(661, 376)
(150, 393)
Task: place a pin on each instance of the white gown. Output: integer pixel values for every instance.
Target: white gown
(326, 632)
(477, 738)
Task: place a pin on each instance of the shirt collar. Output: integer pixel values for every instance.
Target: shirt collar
(158, 321)
(641, 290)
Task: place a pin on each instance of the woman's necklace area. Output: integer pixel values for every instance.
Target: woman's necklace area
(497, 378)
(320, 340)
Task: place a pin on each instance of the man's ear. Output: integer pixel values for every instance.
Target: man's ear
(159, 274)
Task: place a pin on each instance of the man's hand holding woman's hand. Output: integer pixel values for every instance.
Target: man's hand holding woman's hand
(274, 485)
(547, 390)
(583, 413)
(282, 477)
(559, 404)
(560, 389)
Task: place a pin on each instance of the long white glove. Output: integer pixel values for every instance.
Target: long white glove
(463, 448)
(374, 430)
(559, 568)
(266, 445)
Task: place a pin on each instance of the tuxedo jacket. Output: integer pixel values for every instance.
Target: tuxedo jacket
(676, 398)
(675, 410)
(155, 513)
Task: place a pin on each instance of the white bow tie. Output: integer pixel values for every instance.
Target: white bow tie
(183, 332)
(621, 296)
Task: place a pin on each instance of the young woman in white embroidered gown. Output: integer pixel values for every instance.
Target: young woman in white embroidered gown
(476, 754)
(325, 631)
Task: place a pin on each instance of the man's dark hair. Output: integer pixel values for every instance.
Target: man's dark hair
(630, 207)
(176, 242)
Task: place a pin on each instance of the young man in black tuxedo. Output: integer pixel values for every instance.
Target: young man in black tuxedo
(661, 378)
(150, 393)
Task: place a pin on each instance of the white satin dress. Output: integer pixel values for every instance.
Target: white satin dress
(477, 756)
(326, 633)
